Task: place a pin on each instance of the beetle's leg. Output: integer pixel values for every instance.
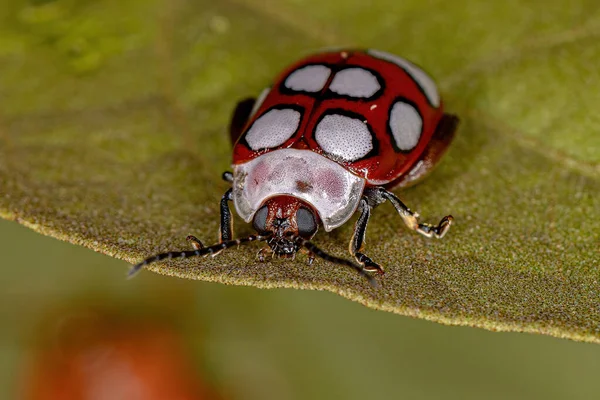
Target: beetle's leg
(310, 256)
(336, 260)
(358, 238)
(240, 117)
(261, 253)
(411, 218)
(227, 176)
(226, 228)
(196, 243)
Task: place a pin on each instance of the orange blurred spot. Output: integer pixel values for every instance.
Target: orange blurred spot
(108, 362)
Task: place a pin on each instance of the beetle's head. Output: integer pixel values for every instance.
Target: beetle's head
(286, 218)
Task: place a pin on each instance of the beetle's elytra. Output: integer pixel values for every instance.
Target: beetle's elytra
(333, 134)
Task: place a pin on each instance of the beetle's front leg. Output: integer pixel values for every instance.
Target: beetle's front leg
(358, 238)
(226, 224)
(411, 219)
(226, 227)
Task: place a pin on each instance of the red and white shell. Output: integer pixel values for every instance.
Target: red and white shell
(332, 124)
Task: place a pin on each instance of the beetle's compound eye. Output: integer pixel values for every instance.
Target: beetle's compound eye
(307, 223)
(260, 219)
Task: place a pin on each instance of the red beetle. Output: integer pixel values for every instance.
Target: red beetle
(333, 134)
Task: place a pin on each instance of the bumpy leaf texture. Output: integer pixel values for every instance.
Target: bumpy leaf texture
(113, 136)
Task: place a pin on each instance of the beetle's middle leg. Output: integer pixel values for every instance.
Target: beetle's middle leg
(411, 219)
(379, 195)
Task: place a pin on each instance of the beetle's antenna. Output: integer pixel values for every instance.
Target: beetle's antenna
(204, 251)
(336, 260)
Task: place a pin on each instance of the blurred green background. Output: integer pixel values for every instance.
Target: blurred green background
(283, 344)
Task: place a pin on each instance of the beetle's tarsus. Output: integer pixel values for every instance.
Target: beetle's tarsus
(368, 264)
(411, 218)
(311, 258)
(261, 253)
(196, 243)
(436, 231)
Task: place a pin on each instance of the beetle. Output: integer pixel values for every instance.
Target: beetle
(330, 138)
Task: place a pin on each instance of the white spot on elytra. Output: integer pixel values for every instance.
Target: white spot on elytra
(344, 137)
(311, 78)
(422, 79)
(273, 128)
(355, 82)
(374, 106)
(406, 125)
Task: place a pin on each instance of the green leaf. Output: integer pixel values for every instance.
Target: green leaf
(113, 135)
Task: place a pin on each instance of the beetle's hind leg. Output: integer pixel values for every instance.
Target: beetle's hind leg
(358, 238)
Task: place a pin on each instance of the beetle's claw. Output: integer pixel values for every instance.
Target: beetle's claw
(444, 225)
(196, 243)
(368, 264)
(374, 267)
(261, 253)
(436, 231)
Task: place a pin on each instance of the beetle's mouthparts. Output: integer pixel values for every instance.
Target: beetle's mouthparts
(283, 246)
